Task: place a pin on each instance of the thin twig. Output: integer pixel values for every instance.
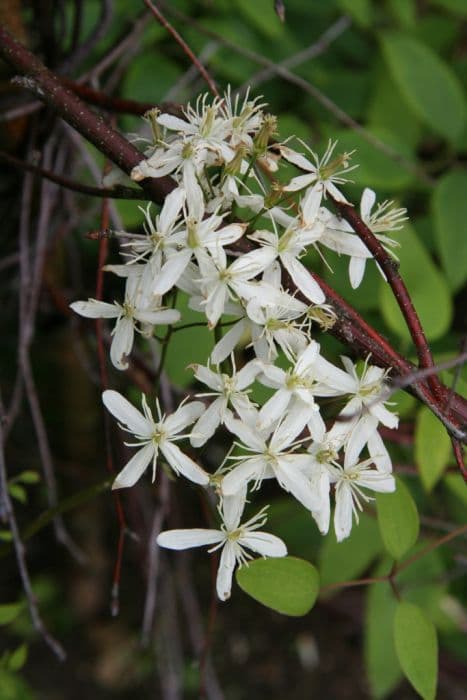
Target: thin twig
(8, 511)
(184, 46)
(310, 89)
(118, 192)
(316, 49)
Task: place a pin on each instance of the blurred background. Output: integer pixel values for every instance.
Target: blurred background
(387, 78)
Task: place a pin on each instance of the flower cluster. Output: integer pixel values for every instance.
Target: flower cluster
(234, 244)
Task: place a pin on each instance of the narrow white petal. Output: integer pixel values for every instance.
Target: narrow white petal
(310, 206)
(247, 374)
(225, 572)
(265, 544)
(135, 467)
(303, 279)
(185, 539)
(122, 342)
(356, 271)
(293, 480)
(175, 123)
(183, 416)
(206, 425)
(95, 309)
(274, 408)
(248, 435)
(126, 413)
(182, 464)
(299, 182)
(171, 209)
(390, 420)
(171, 271)
(156, 318)
(207, 376)
(228, 342)
(343, 511)
(367, 203)
(359, 437)
(233, 507)
(377, 481)
(379, 453)
(239, 477)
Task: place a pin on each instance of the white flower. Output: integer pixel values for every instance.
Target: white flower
(323, 172)
(350, 480)
(233, 538)
(276, 323)
(229, 390)
(384, 218)
(270, 456)
(153, 436)
(135, 309)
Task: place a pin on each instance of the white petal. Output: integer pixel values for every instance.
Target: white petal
(299, 182)
(171, 271)
(232, 508)
(265, 544)
(379, 453)
(303, 279)
(182, 464)
(247, 374)
(156, 318)
(126, 413)
(207, 376)
(366, 203)
(95, 309)
(171, 209)
(122, 342)
(310, 205)
(274, 408)
(248, 435)
(183, 416)
(343, 512)
(175, 123)
(239, 477)
(359, 437)
(377, 481)
(185, 539)
(390, 420)
(228, 342)
(293, 480)
(134, 468)
(356, 271)
(206, 425)
(225, 572)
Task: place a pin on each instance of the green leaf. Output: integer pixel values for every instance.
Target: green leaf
(287, 584)
(389, 110)
(262, 16)
(428, 84)
(18, 658)
(398, 520)
(417, 648)
(450, 216)
(9, 612)
(373, 165)
(382, 666)
(5, 536)
(457, 6)
(29, 477)
(343, 561)
(17, 492)
(432, 447)
(427, 288)
(360, 10)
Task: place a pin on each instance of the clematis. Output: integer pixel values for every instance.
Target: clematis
(136, 309)
(153, 437)
(349, 481)
(323, 173)
(228, 390)
(271, 454)
(233, 538)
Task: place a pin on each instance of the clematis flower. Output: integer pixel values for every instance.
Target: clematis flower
(153, 437)
(228, 390)
(350, 480)
(233, 538)
(136, 309)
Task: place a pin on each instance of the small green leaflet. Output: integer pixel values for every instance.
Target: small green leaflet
(287, 584)
(432, 447)
(9, 612)
(417, 648)
(449, 205)
(398, 520)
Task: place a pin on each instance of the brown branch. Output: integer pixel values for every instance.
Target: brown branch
(182, 43)
(115, 193)
(390, 269)
(51, 90)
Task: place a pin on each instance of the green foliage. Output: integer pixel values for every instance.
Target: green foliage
(417, 648)
(450, 217)
(347, 560)
(398, 520)
(432, 447)
(427, 83)
(10, 612)
(427, 287)
(287, 584)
